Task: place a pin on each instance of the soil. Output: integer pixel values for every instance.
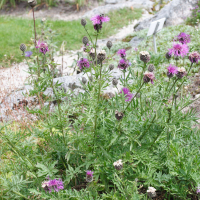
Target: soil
(62, 11)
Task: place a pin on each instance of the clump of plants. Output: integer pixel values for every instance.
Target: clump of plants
(136, 143)
(195, 17)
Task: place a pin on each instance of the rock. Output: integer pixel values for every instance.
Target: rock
(175, 13)
(107, 8)
(111, 2)
(135, 41)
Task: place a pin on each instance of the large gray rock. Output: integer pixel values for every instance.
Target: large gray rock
(107, 8)
(135, 41)
(176, 12)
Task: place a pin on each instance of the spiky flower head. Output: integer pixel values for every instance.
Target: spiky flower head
(32, 3)
(92, 53)
(85, 40)
(168, 56)
(22, 47)
(145, 56)
(109, 44)
(179, 50)
(28, 53)
(45, 185)
(83, 22)
(183, 38)
(123, 64)
(122, 53)
(151, 68)
(53, 185)
(151, 192)
(127, 94)
(111, 67)
(42, 46)
(148, 76)
(194, 57)
(101, 55)
(84, 80)
(83, 63)
(119, 115)
(98, 20)
(181, 72)
(89, 176)
(114, 81)
(118, 164)
(172, 69)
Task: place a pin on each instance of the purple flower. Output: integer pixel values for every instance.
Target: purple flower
(183, 38)
(42, 46)
(89, 176)
(136, 49)
(123, 64)
(194, 57)
(98, 21)
(83, 63)
(122, 53)
(172, 70)
(28, 53)
(179, 50)
(89, 173)
(53, 185)
(148, 76)
(127, 94)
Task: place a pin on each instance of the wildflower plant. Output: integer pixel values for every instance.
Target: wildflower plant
(83, 133)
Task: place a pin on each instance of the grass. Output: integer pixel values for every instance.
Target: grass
(17, 31)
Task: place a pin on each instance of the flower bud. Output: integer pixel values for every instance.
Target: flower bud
(85, 40)
(109, 44)
(151, 68)
(22, 47)
(114, 81)
(83, 22)
(111, 67)
(84, 80)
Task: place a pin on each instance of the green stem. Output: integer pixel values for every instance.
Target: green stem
(167, 87)
(124, 77)
(96, 48)
(133, 97)
(152, 121)
(89, 35)
(95, 122)
(185, 78)
(143, 70)
(34, 27)
(173, 84)
(20, 194)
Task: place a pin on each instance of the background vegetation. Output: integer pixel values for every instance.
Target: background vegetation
(17, 31)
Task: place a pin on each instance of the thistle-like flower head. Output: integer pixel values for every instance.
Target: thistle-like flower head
(179, 50)
(98, 20)
(148, 76)
(122, 53)
(118, 164)
(127, 94)
(183, 38)
(172, 69)
(42, 46)
(123, 64)
(194, 57)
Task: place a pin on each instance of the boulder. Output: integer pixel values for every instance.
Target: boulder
(176, 12)
(111, 7)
